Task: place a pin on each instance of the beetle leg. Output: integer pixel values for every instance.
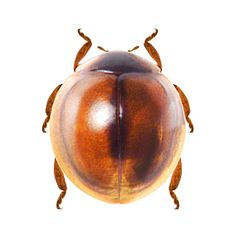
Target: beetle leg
(186, 107)
(83, 50)
(151, 50)
(175, 179)
(49, 106)
(61, 183)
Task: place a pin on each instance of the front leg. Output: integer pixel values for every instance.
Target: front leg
(83, 50)
(186, 106)
(49, 107)
(151, 50)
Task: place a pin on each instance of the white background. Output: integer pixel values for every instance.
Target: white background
(38, 43)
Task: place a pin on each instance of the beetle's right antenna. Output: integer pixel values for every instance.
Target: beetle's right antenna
(134, 48)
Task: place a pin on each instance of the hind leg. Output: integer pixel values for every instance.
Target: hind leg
(61, 183)
(175, 179)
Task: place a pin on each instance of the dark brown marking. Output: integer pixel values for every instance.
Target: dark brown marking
(119, 62)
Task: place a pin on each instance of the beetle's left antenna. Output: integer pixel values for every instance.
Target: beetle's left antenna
(101, 48)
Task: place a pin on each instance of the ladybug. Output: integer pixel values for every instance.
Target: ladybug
(117, 126)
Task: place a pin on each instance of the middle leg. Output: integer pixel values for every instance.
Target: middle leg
(186, 107)
(49, 107)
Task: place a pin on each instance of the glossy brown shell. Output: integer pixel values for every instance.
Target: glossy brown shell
(117, 127)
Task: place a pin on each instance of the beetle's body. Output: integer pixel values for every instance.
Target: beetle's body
(117, 127)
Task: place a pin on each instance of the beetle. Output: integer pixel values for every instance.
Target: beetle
(117, 126)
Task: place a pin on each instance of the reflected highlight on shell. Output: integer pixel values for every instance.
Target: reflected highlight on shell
(100, 115)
